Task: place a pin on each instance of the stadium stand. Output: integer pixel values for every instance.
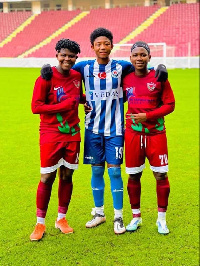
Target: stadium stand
(11, 21)
(119, 20)
(41, 27)
(177, 27)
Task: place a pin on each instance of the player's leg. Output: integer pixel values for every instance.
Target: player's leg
(158, 158)
(70, 163)
(163, 190)
(50, 156)
(134, 192)
(114, 158)
(94, 155)
(135, 163)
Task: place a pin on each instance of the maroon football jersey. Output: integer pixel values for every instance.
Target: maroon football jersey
(146, 95)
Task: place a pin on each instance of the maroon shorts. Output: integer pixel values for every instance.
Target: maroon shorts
(55, 154)
(138, 147)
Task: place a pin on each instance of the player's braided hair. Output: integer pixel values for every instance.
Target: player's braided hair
(72, 46)
(101, 32)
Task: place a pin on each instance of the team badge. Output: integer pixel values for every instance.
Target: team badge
(76, 83)
(102, 75)
(151, 86)
(114, 74)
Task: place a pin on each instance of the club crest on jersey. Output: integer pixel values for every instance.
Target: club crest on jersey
(151, 86)
(76, 83)
(102, 75)
(114, 74)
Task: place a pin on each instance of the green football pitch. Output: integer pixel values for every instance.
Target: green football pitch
(19, 175)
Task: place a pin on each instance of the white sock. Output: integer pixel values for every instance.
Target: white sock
(60, 216)
(118, 214)
(135, 211)
(40, 220)
(100, 210)
(162, 215)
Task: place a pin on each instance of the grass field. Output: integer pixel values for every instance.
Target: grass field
(19, 175)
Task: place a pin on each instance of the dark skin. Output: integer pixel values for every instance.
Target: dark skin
(102, 47)
(66, 60)
(139, 58)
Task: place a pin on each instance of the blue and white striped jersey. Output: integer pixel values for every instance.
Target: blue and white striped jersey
(104, 94)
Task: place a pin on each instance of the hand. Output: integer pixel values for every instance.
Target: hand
(87, 108)
(141, 117)
(161, 73)
(46, 72)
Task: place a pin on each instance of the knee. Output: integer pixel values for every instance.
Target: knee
(135, 177)
(67, 177)
(160, 176)
(114, 172)
(48, 178)
(98, 171)
(66, 174)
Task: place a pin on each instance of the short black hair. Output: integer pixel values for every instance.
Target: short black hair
(72, 46)
(141, 44)
(101, 32)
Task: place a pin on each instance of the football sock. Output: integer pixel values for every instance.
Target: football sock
(136, 213)
(116, 187)
(100, 210)
(163, 190)
(98, 185)
(64, 195)
(40, 220)
(162, 215)
(134, 192)
(118, 213)
(42, 198)
(60, 216)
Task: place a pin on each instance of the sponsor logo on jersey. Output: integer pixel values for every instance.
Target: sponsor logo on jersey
(102, 75)
(151, 86)
(103, 95)
(114, 74)
(76, 83)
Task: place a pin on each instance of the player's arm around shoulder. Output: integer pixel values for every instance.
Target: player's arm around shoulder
(79, 67)
(168, 97)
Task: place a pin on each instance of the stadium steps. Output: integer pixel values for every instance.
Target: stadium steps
(11, 21)
(20, 28)
(55, 34)
(142, 27)
(112, 18)
(178, 28)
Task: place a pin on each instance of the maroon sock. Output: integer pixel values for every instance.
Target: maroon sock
(64, 195)
(134, 192)
(163, 190)
(42, 198)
